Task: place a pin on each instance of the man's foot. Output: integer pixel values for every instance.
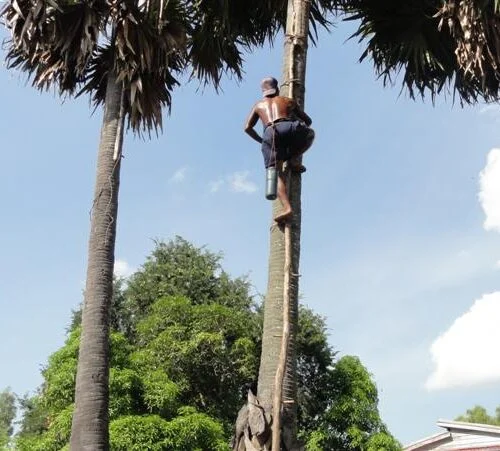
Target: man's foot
(283, 217)
(299, 168)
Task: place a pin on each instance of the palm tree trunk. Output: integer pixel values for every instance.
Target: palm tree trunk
(294, 69)
(91, 420)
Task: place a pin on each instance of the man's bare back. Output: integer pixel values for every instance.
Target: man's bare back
(272, 109)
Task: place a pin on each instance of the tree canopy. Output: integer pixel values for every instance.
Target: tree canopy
(479, 414)
(184, 351)
(7, 415)
(351, 419)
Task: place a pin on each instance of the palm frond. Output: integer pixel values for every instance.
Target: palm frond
(75, 44)
(412, 38)
(474, 26)
(221, 30)
(144, 55)
(51, 40)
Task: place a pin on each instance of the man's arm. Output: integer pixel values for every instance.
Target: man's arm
(250, 124)
(302, 115)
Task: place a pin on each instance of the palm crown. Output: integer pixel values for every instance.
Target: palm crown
(434, 44)
(74, 44)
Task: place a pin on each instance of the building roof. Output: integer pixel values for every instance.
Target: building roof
(463, 426)
(460, 436)
(435, 439)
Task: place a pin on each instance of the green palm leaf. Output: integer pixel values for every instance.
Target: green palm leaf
(420, 40)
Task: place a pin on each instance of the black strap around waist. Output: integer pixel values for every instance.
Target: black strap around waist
(281, 119)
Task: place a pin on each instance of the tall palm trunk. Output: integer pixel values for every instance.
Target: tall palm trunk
(294, 70)
(90, 420)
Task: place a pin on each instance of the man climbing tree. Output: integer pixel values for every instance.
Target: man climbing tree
(286, 136)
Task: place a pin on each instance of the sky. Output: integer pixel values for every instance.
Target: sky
(400, 233)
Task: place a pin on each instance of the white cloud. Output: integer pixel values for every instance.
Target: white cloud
(122, 268)
(179, 175)
(467, 353)
(489, 191)
(239, 183)
(216, 185)
(464, 355)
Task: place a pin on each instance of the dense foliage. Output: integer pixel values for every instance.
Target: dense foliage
(184, 350)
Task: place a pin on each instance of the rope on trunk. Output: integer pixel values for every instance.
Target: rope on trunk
(285, 339)
(119, 129)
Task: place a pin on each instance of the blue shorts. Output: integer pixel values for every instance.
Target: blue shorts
(290, 138)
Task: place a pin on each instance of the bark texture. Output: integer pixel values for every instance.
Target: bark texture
(294, 71)
(89, 431)
(285, 343)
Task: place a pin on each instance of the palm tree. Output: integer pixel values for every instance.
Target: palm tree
(277, 385)
(126, 55)
(281, 304)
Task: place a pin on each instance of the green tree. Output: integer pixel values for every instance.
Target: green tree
(7, 415)
(479, 414)
(178, 268)
(34, 415)
(315, 360)
(207, 350)
(177, 381)
(189, 431)
(137, 398)
(351, 420)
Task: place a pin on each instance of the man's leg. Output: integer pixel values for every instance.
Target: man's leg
(296, 161)
(282, 195)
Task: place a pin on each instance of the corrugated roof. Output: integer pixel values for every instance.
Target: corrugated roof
(457, 427)
(463, 426)
(433, 439)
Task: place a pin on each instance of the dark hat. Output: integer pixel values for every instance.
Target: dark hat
(269, 86)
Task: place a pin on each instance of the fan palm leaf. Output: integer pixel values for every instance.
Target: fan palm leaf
(422, 40)
(145, 56)
(235, 26)
(52, 41)
(474, 25)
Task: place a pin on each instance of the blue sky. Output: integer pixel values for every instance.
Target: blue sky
(394, 250)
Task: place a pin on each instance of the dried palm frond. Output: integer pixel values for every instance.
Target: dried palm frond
(474, 26)
(147, 54)
(52, 40)
(420, 40)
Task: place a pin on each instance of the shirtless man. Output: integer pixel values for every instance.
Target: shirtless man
(286, 136)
